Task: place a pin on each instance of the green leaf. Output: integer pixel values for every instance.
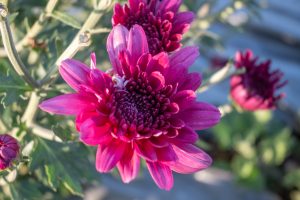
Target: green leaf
(62, 133)
(66, 19)
(12, 17)
(51, 176)
(292, 179)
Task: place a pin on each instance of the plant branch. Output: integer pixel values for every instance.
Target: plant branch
(222, 74)
(31, 109)
(36, 28)
(44, 133)
(82, 39)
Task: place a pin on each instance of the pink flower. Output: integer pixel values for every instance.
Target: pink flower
(256, 88)
(144, 108)
(9, 149)
(160, 19)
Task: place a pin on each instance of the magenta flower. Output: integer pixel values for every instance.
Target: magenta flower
(144, 108)
(160, 19)
(256, 88)
(9, 149)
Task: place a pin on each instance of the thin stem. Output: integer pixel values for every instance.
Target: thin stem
(31, 109)
(36, 28)
(44, 133)
(81, 39)
(222, 74)
(13, 56)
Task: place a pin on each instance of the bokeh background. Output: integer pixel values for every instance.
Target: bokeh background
(256, 155)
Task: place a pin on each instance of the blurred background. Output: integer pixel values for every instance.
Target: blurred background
(256, 154)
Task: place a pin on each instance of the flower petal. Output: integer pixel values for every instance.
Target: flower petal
(67, 104)
(182, 22)
(129, 166)
(137, 44)
(74, 73)
(190, 159)
(117, 43)
(108, 155)
(169, 5)
(146, 150)
(93, 133)
(186, 135)
(200, 116)
(161, 174)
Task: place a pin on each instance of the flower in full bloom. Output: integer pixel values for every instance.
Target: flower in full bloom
(255, 89)
(9, 149)
(163, 24)
(145, 108)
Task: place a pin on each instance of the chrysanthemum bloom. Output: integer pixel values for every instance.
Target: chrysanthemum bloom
(255, 89)
(160, 19)
(9, 149)
(144, 108)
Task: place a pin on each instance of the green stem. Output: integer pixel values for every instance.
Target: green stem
(36, 28)
(9, 46)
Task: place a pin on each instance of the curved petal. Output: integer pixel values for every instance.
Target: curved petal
(185, 57)
(117, 43)
(168, 5)
(137, 44)
(186, 135)
(92, 133)
(161, 174)
(190, 159)
(146, 150)
(74, 73)
(108, 155)
(182, 22)
(200, 116)
(67, 104)
(129, 166)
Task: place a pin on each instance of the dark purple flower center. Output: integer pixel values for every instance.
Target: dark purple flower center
(139, 107)
(157, 30)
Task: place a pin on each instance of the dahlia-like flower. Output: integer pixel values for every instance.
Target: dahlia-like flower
(255, 89)
(9, 149)
(160, 19)
(144, 108)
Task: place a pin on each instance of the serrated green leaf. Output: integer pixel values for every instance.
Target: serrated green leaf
(51, 176)
(66, 19)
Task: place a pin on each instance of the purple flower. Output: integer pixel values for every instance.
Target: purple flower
(256, 88)
(163, 24)
(9, 149)
(145, 108)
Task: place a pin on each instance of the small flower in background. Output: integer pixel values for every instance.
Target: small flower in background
(145, 108)
(9, 149)
(161, 21)
(255, 89)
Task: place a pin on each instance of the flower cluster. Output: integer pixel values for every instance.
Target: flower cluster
(9, 149)
(256, 88)
(160, 19)
(144, 108)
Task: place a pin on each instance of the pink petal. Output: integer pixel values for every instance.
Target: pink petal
(169, 5)
(156, 80)
(74, 73)
(186, 135)
(117, 43)
(192, 82)
(67, 104)
(137, 43)
(184, 98)
(166, 154)
(108, 155)
(161, 174)
(190, 159)
(146, 150)
(129, 166)
(159, 62)
(200, 116)
(182, 22)
(93, 60)
(185, 57)
(94, 133)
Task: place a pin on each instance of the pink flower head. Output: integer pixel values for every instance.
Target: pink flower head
(144, 108)
(9, 149)
(255, 89)
(160, 19)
